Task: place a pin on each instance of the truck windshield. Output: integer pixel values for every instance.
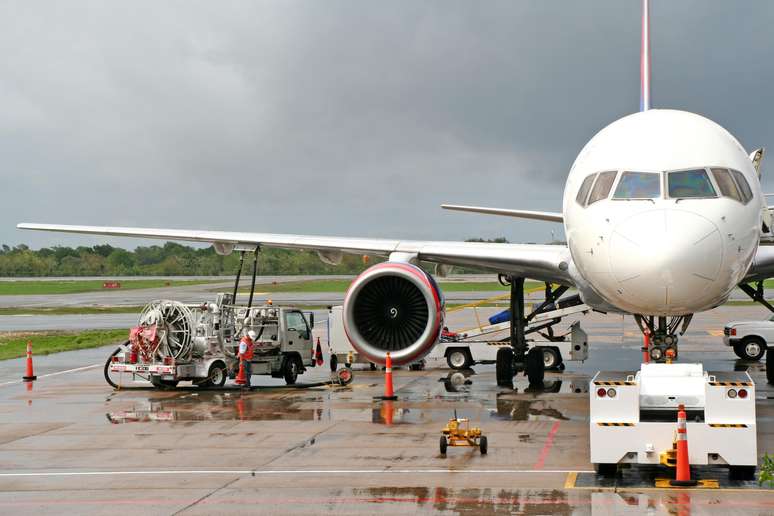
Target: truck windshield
(638, 185)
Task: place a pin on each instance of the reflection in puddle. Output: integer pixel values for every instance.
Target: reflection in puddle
(458, 381)
(524, 410)
(216, 407)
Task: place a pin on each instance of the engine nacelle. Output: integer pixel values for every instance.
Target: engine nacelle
(393, 307)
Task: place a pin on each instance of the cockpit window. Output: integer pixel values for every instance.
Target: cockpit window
(602, 186)
(690, 183)
(584, 190)
(744, 186)
(726, 184)
(638, 185)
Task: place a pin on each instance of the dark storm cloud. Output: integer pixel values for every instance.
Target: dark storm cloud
(348, 118)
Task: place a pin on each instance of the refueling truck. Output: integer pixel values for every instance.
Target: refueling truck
(199, 342)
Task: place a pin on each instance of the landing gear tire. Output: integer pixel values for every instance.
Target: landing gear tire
(741, 472)
(216, 376)
(552, 358)
(535, 366)
(458, 359)
(605, 469)
(504, 367)
(443, 445)
(483, 445)
(751, 348)
(770, 366)
(290, 370)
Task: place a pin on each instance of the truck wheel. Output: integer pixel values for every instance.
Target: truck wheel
(483, 445)
(458, 358)
(770, 366)
(751, 348)
(551, 358)
(216, 376)
(504, 367)
(741, 472)
(535, 366)
(291, 369)
(605, 469)
(444, 445)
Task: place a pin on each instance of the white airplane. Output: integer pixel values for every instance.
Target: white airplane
(663, 214)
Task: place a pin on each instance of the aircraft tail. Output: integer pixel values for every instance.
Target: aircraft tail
(645, 58)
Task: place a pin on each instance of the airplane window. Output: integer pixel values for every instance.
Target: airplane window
(584, 190)
(602, 186)
(638, 185)
(744, 186)
(726, 184)
(690, 183)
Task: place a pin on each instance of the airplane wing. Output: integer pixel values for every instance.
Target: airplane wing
(540, 262)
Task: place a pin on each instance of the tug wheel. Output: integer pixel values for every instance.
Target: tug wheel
(741, 472)
(605, 469)
(483, 445)
(770, 366)
(444, 445)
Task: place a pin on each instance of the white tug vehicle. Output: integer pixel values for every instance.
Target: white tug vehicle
(633, 418)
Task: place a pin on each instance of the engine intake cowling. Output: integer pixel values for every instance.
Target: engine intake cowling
(396, 308)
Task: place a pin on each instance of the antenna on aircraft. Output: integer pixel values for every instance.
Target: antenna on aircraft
(645, 58)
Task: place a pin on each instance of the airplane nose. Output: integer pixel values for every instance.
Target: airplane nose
(665, 257)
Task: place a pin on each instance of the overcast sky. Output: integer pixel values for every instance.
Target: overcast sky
(352, 118)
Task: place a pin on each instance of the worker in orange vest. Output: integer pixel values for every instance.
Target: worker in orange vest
(246, 348)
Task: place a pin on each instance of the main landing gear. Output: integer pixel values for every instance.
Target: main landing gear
(517, 358)
(757, 294)
(663, 334)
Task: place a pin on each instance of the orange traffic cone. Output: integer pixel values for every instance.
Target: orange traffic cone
(389, 394)
(241, 379)
(30, 376)
(646, 347)
(683, 476)
(318, 354)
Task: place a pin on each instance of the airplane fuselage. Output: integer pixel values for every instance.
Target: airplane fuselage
(670, 219)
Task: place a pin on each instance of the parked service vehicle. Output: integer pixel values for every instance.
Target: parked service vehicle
(749, 338)
(463, 351)
(633, 418)
(176, 342)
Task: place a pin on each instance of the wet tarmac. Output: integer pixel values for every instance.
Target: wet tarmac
(71, 444)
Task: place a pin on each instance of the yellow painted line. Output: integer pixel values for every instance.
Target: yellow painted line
(715, 333)
(569, 482)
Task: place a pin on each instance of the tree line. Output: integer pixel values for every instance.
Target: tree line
(170, 259)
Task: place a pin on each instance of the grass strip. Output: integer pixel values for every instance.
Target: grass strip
(74, 286)
(14, 345)
(70, 310)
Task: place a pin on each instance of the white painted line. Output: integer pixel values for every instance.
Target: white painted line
(84, 368)
(286, 472)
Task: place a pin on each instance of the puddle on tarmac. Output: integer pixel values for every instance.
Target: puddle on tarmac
(470, 500)
(208, 406)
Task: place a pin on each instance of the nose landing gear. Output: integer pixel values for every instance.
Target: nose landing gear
(663, 336)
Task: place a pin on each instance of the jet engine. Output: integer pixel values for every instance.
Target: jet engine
(393, 307)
